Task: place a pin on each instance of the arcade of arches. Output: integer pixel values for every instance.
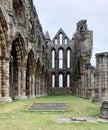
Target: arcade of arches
(33, 65)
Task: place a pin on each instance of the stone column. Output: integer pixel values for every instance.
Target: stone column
(46, 84)
(33, 86)
(30, 86)
(5, 81)
(18, 96)
(105, 77)
(39, 87)
(99, 77)
(43, 93)
(23, 83)
(92, 85)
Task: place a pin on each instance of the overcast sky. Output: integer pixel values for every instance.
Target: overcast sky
(54, 14)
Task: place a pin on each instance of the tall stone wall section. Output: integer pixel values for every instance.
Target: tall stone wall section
(82, 52)
(61, 66)
(24, 52)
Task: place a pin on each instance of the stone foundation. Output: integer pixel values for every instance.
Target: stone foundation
(60, 91)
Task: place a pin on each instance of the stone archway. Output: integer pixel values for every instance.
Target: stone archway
(30, 76)
(17, 68)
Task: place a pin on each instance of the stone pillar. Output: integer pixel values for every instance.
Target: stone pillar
(99, 82)
(99, 74)
(105, 76)
(104, 110)
(39, 87)
(23, 83)
(5, 81)
(92, 84)
(43, 93)
(46, 84)
(18, 96)
(33, 86)
(30, 87)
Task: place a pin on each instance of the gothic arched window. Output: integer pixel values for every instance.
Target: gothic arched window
(60, 80)
(53, 80)
(68, 58)
(61, 38)
(60, 58)
(53, 58)
(68, 80)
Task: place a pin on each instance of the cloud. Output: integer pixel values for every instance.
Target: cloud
(54, 14)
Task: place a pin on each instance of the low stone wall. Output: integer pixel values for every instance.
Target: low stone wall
(60, 91)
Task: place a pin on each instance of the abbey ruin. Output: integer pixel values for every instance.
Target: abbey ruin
(32, 64)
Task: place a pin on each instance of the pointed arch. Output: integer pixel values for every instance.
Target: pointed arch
(30, 74)
(53, 58)
(68, 51)
(17, 67)
(60, 58)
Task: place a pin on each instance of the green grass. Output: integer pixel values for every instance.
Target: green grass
(29, 120)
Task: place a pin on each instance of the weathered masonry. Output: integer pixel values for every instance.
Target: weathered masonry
(23, 52)
(61, 64)
(32, 65)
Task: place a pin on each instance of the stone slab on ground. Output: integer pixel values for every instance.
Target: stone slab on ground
(81, 119)
(49, 106)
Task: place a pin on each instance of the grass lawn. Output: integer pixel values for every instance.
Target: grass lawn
(14, 115)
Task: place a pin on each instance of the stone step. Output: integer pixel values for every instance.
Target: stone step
(48, 106)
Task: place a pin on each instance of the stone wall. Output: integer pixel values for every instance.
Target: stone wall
(23, 52)
(82, 52)
(61, 68)
(102, 74)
